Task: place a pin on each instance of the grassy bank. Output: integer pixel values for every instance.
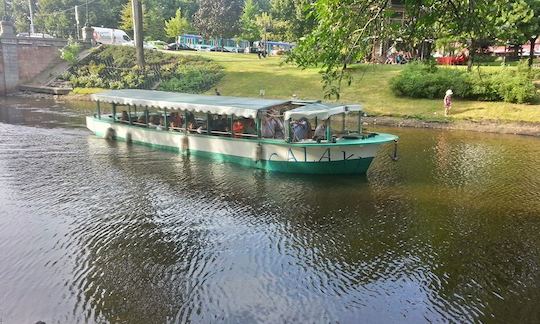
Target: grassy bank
(245, 75)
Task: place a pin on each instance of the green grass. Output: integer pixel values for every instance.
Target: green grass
(245, 75)
(86, 91)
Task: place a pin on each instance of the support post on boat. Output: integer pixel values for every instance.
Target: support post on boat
(273, 135)
(98, 107)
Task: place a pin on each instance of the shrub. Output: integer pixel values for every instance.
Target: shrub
(418, 80)
(114, 67)
(190, 78)
(70, 52)
(427, 81)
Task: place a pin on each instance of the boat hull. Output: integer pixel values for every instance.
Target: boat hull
(346, 157)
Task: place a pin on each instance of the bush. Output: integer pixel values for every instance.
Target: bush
(113, 67)
(70, 52)
(419, 80)
(193, 78)
(428, 81)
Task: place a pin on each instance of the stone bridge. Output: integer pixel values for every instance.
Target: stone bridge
(24, 58)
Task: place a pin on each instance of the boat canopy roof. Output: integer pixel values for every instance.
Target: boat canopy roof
(220, 105)
(320, 110)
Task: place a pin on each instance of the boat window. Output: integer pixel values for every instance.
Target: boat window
(220, 125)
(346, 125)
(197, 122)
(244, 128)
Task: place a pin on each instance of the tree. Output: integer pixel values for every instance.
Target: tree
(419, 27)
(470, 21)
(176, 25)
(343, 33)
(520, 22)
(188, 8)
(292, 19)
(250, 31)
(264, 23)
(218, 18)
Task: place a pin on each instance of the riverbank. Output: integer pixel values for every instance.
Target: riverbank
(245, 75)
(486, 126)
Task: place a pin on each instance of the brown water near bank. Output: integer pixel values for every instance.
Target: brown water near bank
(96, 231)
(485, 126)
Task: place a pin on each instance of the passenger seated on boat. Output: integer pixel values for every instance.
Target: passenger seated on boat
(238, 128)
(176, 120)
(280, 129)
(153, 120)
(268, 127)
(249, 126)
(141, 119)
(161, 124)
(125, 117)
(300, 129)
(271, 127)
(220, 124)
(320, 132)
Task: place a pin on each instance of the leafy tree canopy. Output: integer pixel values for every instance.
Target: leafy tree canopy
(343, 33)
(248, 23)
(176, 26)
(218, 18)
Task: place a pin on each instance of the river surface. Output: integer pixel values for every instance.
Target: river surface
(93, 231)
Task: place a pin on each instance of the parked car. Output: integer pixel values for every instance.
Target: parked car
(158, 44)
(145, 45)
(178, 47)
(249, 50)
(204, 48)
(219, 49)
(110, 36)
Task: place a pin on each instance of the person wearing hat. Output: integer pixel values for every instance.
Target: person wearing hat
(447, 101)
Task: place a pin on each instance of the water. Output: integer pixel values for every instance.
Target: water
(94, 232)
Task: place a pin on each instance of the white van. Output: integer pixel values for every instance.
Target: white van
(110, 36)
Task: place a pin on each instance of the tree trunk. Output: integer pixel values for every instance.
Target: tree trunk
(531, 54)
(470, 59)
(138, 31)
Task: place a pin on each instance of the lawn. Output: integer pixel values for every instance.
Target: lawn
(246, 75)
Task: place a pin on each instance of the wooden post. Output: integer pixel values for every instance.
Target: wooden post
(98, 111)
(257, 125)
(231, 125)
(114, 112)
(359, 122)
(129, 114)
(328, 130)
(165, 118)
(146, 115)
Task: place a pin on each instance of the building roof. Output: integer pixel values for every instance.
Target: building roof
(238, 106)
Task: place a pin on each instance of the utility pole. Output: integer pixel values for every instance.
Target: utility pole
(137, 31)
(32, 31)
(77, 20)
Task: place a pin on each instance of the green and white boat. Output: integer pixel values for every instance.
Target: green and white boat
(242, 130)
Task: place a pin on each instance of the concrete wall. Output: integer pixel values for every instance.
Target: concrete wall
(23, 58)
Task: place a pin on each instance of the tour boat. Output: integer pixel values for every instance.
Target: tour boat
(269, 134)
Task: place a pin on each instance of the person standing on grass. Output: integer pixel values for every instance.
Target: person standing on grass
(447, 101)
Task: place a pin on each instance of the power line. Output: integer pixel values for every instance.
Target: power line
(68, 9)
